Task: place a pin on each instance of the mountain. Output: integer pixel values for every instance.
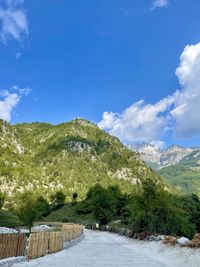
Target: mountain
(71, 156)
(178, 165)
(185, 174)
(148, 153)
(158, 159)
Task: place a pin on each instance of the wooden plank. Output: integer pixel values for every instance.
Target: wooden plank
(44, 243)
(10, 245)
(55, 242)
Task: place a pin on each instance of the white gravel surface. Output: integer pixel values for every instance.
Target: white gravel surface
(41, 228)
(100, 249)
(5, 230)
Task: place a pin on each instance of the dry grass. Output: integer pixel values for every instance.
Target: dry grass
(195, 242)
(170, 240)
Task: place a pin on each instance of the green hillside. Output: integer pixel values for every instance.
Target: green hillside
(71, 157)
(8, 219)
(185, 175)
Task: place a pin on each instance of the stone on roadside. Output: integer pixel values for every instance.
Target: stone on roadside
(183, 241)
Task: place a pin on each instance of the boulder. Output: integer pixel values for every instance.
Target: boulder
(183, 241)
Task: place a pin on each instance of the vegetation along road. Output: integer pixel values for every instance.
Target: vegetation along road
(99, 249)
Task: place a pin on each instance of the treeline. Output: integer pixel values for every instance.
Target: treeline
(151, 208)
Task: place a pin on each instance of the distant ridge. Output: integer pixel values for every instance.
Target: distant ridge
(158, 159)
(178, 165)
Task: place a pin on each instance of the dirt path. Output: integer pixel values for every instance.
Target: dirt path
(100, 249)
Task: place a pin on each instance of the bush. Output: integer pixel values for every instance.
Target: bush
(2, 199)
(8, 219)
(154, 211)
(105, 204)
(57, 200)
(42, 206)
(65, 220)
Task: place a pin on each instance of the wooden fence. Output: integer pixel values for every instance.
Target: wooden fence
(44, 243)
(71, 231)
(39, 244)
(12, 245)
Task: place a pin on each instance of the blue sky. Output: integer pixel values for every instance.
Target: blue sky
(63, 59)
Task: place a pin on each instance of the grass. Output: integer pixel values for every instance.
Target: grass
(8, 219)
(67, 213)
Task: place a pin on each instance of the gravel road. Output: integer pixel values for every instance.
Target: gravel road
(101, 249)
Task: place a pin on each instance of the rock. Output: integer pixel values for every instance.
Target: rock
(160, 237)
(122, 231)
(135, 236)
(144, 236)
(183, 241)
(129, 233)
(151, 238)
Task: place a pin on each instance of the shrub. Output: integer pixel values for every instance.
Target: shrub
(57, 200)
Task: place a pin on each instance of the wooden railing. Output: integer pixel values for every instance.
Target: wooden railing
(39, 244)
(44, 243)
(12, 245)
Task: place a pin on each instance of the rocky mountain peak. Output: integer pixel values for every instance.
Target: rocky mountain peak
(159, 159)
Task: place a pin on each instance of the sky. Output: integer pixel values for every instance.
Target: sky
(131, 66)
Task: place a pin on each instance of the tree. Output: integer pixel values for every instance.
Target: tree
(100, 202)
(103, 208)
(57, 199)
(2, 199)
(74, 197)
(27, 209)
(105, 204)
(119, 200)
(42, 206)
(156, 210)
(195, 211)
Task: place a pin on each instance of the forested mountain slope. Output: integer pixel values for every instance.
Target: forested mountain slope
(71, 157)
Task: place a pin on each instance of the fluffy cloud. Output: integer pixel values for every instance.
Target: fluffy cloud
(187, 108)
(9, 100)
(160, 3)
(140, 122)
(178, 113)
(13, 20)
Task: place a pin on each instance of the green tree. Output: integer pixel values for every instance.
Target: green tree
(195, 211)
(42, 206)
(105, 204)
(103, 208)
(74, 197)
(2, 199)
(57, 199)
(101, 204)
(155, 210)
(27, 209)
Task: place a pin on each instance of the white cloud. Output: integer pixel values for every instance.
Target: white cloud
(179, 112)
(13, 20)
(9, 100)
(140, 122)
(187, 111)
(159, 3)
